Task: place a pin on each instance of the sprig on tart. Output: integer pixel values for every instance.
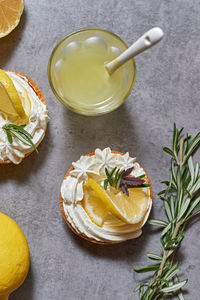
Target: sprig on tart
(122, 179)
(20, 133)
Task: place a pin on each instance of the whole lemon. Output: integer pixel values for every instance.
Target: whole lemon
(14, 256)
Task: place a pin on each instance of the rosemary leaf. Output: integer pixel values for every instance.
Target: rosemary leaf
(171, 273)
(147, 269)
(167, 150)
(113, 171)
(9, 136)
(154, 256)
(158, 222)
(105, 184)
(174, 287)
(141, 176)
(138, 186)
(20, 137)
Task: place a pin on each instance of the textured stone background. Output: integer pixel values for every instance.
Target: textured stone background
(166, 90)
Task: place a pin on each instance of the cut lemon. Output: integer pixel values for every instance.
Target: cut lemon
(10, 13)
(94, 207)
(10, 101)
(129, 209)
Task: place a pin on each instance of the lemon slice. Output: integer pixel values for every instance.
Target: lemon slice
(6, 105)
(14, 256)
(129, 209)
(10, 101)
(10, 13)
(94, 207)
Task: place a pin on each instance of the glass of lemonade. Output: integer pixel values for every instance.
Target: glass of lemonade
(78, 76)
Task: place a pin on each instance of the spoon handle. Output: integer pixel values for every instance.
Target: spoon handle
(150, 38)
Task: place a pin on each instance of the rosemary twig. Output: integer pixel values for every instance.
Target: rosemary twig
(181, 202)
(19, 132)
(123, 180)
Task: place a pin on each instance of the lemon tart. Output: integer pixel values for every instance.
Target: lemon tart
(23, 116)
(106, 197)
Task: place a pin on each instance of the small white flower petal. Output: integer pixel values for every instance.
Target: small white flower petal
(105, 159)
(75, 172)
(84, 165)
(98, 153)
(125, 161)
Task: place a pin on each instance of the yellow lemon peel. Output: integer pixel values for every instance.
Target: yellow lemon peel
(130, 210)
(10, 102)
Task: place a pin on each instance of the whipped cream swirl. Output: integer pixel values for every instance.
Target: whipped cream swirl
(38, 119)
(113, 229)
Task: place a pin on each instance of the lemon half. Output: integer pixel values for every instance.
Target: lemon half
(10, 14)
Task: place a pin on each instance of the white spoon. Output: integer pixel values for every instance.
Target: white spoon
(150, 38)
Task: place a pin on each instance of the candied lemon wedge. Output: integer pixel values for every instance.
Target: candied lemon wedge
(129, 209)
(10, 101)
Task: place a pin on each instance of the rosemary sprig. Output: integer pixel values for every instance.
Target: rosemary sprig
(123, 180)
(19, 132)
(181, 202)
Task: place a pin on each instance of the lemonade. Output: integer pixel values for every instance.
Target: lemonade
(82, 75)
(78, 75)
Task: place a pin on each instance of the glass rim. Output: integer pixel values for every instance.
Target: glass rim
(60, 98)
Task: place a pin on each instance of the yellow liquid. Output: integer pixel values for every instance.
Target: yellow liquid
(83, 79)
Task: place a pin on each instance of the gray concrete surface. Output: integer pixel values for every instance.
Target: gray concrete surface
(166, 90)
